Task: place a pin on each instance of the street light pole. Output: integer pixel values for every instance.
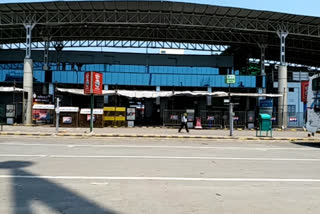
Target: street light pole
(91, 113)
(57, 114)
(230, 114)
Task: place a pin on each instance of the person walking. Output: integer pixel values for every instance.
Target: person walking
(184, 121)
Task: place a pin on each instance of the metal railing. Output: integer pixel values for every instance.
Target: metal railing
(220, 119)
(295, 119)
(172, 117)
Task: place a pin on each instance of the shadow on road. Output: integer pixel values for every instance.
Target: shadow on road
(28, 188)
(315, 144)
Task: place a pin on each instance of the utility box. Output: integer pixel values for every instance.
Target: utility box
(265, 124)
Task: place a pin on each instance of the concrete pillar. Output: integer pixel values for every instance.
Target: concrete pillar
(106, 97)
(28, 88)
(283, 101)
(158, 98)
(209, 98)
(283, 82)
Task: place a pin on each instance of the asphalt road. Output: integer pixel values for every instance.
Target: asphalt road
(70, 175)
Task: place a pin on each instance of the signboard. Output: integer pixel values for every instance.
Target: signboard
(210, 118)
(89, 117)
(87, 82)
(43, 99)
(266, 106)
(304, 91)
(43, 107)
(88, 111)
(69, 109)
(41, 115)
(293, 119)
(67, 120)
(230, 79)
(10, 111)
(235, 118)
(131, 113)
(174, 117)
(267, 103)
(93, 82)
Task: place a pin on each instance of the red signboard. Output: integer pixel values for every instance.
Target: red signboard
(304, 91)
(97, 83)
(87, 83)
(93, 83)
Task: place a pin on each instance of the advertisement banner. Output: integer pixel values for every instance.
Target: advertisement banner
(131, 113)
(87, 81)
(97, 83)
(40, 115)
(304, 91)
(10, 111)
(93, 82)
(89, 118)
(66, 120)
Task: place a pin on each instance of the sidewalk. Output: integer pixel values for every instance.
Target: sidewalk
(158, 132)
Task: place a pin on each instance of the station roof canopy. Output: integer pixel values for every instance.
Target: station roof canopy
(163, 21)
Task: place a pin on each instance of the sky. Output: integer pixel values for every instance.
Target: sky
(301, 7)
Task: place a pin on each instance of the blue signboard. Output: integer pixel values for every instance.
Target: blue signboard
(267, 103)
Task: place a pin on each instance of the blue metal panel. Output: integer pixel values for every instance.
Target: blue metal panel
(39, 75)
(135, 75)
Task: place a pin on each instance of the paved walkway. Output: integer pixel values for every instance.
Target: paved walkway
(151, 132)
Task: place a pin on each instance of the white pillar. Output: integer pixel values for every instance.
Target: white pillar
(209, 98)
(283, 101)
(283, 82)
(158, 98)
(28, 90)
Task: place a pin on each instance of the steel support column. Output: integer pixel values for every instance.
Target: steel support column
(28, 77)
(283, 82)
(28, 28)
(262, 88)
(58, 47)
(46, 54)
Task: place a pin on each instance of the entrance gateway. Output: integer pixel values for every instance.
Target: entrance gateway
(45, 70)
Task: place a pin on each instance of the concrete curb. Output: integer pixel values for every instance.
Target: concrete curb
(158, 136)
(176, 127)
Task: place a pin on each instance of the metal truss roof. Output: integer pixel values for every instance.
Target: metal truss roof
(122, 44)
(159, 21)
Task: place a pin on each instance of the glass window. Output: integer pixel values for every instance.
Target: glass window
(291, 108)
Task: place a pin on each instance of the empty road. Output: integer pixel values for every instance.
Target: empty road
(132, 175)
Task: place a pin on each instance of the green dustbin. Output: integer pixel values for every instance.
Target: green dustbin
(265, 124)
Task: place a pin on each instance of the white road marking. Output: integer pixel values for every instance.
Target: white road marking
(161, 178)
(99, 183)
(18, 155)
(161, 157)
(161, 147)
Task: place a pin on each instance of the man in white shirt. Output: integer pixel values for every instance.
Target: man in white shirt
(184, 121)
